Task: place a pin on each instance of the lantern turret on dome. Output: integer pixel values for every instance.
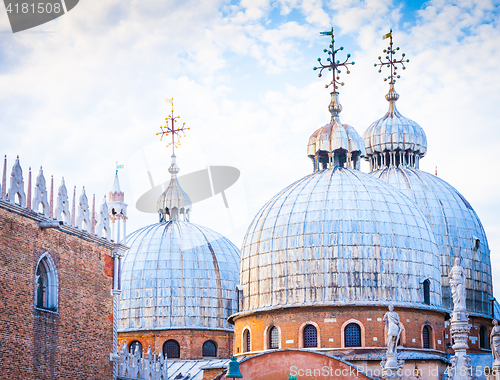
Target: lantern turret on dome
(335, 144)
(174, 204)
(394, 140)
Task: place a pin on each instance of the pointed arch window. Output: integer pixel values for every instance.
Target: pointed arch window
(46, 283)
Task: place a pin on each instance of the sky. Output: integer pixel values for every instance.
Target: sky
(88, 89)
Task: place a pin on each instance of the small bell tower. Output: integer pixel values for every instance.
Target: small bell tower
(117, 210)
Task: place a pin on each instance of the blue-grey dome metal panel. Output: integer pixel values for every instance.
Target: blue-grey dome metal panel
(336, 237)
(457, 229)
(178, 275)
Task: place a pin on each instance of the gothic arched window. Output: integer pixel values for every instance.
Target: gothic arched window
(209, 349)
(274, 337)
(46, 284)
(171, 349)
(426, 337)
(352, 335)
(310, 336)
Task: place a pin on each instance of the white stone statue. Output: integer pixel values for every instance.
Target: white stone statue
(393, 329)
(495, 343)
(457, 283)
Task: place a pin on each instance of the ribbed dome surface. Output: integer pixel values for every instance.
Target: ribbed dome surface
(456, 228)
(394, 132)
(335, 237)
(178, 275)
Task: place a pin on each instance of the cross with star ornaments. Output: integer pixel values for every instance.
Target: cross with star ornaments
(170, 129)
(332, 64)
(391, 61)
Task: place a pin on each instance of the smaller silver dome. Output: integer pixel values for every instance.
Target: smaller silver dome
(335, 144)
(174, 202)
(178, 275)
(394, 139)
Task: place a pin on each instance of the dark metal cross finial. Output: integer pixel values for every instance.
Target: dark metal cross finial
(391, 61)
(333, 65)
(172, 130)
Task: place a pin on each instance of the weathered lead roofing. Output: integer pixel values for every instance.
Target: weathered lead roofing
(395, 133)
(335, 138)
(457, 229)
(174, 203)
(178, 275)
(335, 237)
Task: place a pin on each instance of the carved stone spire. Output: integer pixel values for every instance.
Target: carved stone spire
(28, 201)
(73, 211)
(83, 221)
(17, 184)
(40, 197)
(102, 228)
(92, 227)
(62, 206)
(51, 202)
(4, 178)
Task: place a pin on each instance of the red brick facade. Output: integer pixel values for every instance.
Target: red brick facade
(73, 342)
(190, 341)
(330, 323)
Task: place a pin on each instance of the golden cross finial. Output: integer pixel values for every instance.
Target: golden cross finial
(391, 61)
(333, 65)
(172, 130)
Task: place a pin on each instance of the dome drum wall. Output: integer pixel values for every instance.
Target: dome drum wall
(178, 275)
(330, 323)
(339, 237)
(457, 230)
(190, 341)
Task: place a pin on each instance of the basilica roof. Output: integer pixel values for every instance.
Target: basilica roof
(457, 229)
(339, 237)
(178, 275)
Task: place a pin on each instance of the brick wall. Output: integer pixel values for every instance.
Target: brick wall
(330, 321)
(190, 341)
(74, 342)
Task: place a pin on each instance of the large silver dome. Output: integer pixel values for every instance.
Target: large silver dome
(339, 237)
(178, 275)
(457, 229)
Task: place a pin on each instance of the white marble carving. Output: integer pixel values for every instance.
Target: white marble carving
(457, 284)
(102, 227)
(62, 204)
(392, 365)
(83, 220)
(17, 184)
(40, 196)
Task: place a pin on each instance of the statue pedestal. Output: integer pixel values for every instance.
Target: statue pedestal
(460, 368)
(392, 367)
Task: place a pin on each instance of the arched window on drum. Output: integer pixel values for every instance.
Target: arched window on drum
(352, 335)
